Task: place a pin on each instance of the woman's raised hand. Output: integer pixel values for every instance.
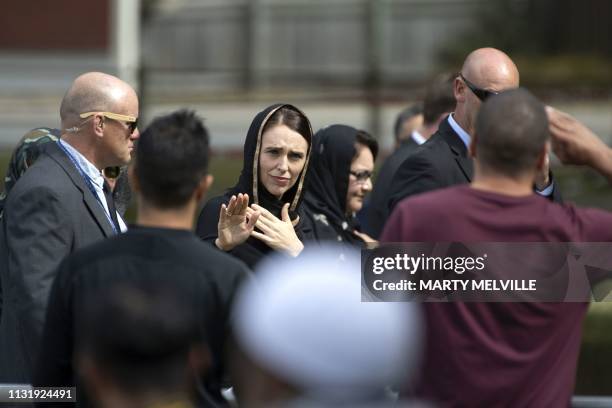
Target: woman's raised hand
(234, 225)
(277, 234)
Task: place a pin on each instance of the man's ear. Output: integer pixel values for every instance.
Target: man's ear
(472, 146)
(459, 90)
(98, 125)
(543, 156)
(133, 180)
(203, 187)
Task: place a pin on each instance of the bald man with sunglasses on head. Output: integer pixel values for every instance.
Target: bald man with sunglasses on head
(443, 161)
(60, 204)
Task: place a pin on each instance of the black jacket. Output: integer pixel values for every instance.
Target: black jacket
(440, 162)
(378, 208)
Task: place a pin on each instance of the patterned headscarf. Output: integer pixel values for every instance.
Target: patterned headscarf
(25, 154)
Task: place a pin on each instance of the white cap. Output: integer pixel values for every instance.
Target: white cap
(303, 320)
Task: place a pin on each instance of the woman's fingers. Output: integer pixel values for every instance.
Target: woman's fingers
(253, 218)
(285, 213)
(261, 237)
(240, 206)
(296, 221)
(264, 213)
(365, 237)
(231, 206)
(245, 203)
(268, 222)
(222, 213)
(263, 227)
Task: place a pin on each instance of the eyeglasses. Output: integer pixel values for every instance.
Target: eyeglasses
(361, 176)
(132, 121)
(481, 94)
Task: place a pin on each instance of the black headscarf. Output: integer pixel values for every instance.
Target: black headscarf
(333, 152)
(253, 249)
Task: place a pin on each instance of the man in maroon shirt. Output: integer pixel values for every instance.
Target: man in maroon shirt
(500, 354)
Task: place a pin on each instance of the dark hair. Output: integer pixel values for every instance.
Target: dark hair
(171, 158)
(140, 337)
(367, 140)
(407, 114)
(511, 130)
(291, 118)
(439, 98)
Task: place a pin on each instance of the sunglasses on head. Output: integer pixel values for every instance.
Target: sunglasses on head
(131, 121)
(481, 94)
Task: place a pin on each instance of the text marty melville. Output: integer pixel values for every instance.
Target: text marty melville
(457, 284)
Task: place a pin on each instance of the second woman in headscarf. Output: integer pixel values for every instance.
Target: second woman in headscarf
(261, 213)
(340, 178)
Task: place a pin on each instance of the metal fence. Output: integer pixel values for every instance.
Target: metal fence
(263, 44)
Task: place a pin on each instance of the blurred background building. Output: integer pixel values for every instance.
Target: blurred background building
(353, 61)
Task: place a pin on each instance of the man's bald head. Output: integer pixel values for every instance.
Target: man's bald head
(487, 69)
(491, 69)
(103, 138)
(93, 92)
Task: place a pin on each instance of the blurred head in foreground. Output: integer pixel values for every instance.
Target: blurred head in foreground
(138, 347)
(304, 335)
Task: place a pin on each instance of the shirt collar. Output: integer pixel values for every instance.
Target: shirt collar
(418, 138)
(463, 135)
(86, 166)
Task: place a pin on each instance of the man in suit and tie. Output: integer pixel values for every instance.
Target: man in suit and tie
(60, 204)
(443, 161)
(439, 101)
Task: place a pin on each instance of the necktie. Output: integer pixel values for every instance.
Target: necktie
(111, 205)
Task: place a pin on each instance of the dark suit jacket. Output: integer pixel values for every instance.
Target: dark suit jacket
(49, 213)
(378, 208)
(440, 162)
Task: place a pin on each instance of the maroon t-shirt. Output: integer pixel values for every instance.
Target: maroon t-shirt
(498, 354)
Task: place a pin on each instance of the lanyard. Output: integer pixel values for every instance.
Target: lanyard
(89, 184)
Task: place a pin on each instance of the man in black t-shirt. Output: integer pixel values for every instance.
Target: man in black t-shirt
(170, 178)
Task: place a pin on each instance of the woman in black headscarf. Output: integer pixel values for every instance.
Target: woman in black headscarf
(340, 177)
(276, 154)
